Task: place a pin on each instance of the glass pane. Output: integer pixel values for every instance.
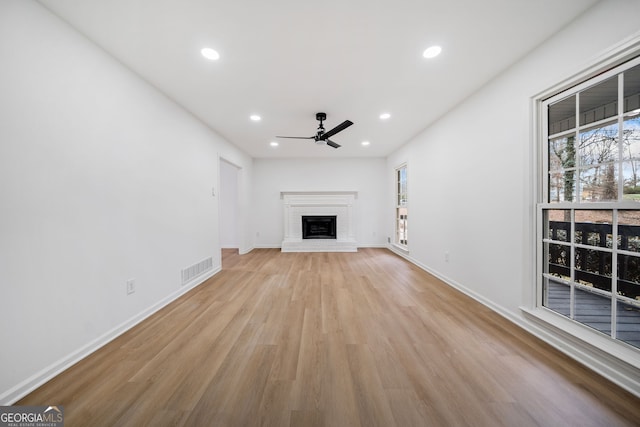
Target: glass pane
(599, 184)
(631, 138)
(593, 228)
(562, 115)
(558, 259)
(628, 323)
(629, 276)
(629, 230)
(402, 186)
(631, 177)
(401, 226)
(632, 89)
(562, 187)
(593, 268)
(599, 145)
(631, 153)
(599, 102)
(558, 224)
(562, 153)
(593, 310)
(556, 296)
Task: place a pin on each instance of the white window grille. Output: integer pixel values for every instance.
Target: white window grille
(589, 214)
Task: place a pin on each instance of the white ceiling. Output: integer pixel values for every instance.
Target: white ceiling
(288, 59)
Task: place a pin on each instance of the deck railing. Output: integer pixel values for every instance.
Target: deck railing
(593, 266)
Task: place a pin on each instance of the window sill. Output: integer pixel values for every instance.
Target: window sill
(578, 335)
(400, 248)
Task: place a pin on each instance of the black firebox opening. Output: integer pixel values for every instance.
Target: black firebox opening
(319, 227)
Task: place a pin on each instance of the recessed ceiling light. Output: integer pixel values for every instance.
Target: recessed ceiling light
(365, 143)
(210, 54)
(432, 52)
(255, 117)
(273, 144)
(385, 116)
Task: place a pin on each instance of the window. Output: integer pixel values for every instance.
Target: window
(401, 206)
(589, 212)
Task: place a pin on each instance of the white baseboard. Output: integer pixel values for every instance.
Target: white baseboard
(595, 358)
(279, 245)
(267, 246)
(36, 380)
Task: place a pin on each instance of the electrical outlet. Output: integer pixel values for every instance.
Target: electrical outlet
(131, 286)
(446, 256)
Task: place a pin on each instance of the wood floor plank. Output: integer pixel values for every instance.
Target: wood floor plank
(330, 339)
(373, 404)
(337, 386)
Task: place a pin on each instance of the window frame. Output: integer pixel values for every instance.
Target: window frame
(615, 65)
(398, 205)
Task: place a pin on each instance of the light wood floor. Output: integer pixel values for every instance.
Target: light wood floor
(330, 339)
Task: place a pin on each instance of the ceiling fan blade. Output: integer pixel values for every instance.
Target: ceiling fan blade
(342, 126)
(332, 144)
(296, 137)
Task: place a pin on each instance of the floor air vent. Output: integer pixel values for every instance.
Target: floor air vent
(196, 270)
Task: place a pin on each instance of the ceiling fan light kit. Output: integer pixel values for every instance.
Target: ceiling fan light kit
(322, 137)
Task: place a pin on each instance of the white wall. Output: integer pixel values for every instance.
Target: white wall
(102, 179)
(470, 173)
(367, 176)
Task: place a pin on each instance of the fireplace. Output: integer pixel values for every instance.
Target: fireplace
(330, 221)
(318, 227)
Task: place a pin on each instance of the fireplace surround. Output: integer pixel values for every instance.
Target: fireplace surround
(319, 204)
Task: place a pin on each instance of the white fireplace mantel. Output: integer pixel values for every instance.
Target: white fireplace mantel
(303, 203)
(284, 194)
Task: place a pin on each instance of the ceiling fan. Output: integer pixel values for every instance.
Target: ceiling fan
(322, 137)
